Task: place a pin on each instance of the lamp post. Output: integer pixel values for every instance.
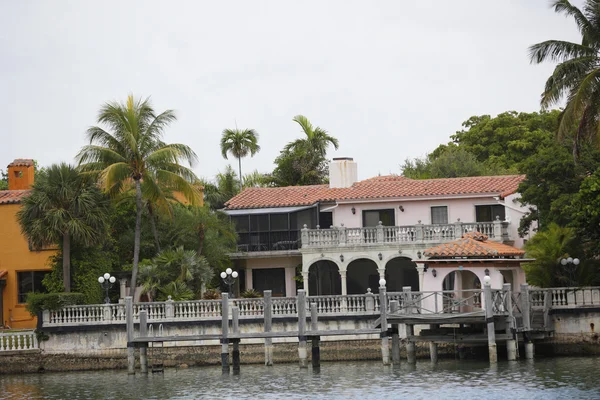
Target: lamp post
(571, 266)
(229, 277)
(106, 281)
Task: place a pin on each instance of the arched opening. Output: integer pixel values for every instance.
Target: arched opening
(361, 275)
(400, 272)
(324, 279)
(465, 291)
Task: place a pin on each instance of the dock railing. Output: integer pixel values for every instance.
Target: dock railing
(540, 301)
(18, 341)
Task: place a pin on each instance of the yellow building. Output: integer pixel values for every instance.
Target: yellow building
(21, 268)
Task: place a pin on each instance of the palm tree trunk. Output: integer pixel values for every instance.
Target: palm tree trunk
(201, 235)
(241, 183)
(66, 262)
(138, 234)
(153, 225)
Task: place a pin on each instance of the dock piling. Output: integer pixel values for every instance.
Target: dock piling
(489, 318)
(411, 353)
(144, 346)
(235, 327)
(225, 333)
(129, 326)
(268, 313)
(314, 326)
(529, 350)
(511, 344)
(394, 308)
(385, 340)
(302, 350)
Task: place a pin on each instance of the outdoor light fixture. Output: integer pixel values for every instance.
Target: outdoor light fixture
(106, 281)
(353, 210)
(229, 277)
(382, 282)
(380, 256)
(486, 272)
(401, 208)
(434, 272)
(341, 257)
(487, 280)
(572, 264)
(419, 254)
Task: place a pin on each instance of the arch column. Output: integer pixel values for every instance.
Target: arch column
(343, 278)
(381, 273)
(305, 281)
(421, 271)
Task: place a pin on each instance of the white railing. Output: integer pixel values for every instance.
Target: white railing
(437, 233)
(18, 341)
(565, 297)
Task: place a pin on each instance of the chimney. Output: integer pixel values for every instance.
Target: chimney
(20, 174)
(343, 172)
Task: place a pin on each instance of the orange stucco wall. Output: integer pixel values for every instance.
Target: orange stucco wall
(15, 256)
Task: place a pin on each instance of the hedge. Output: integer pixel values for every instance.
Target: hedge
(37, 302)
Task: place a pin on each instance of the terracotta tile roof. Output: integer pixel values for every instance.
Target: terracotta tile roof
(12, 196)
(380, 187)
(21, 162)
(3, 274)
(473, 244)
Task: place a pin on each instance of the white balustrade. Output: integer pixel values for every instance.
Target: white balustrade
(18, 341)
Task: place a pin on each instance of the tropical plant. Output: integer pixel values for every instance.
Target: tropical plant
(316, 141)
(131, 152)
(576, 77)
(547, 248)
(239, 143)
(64, 207)
(256, 179)
(212, 294)
(176, 291)
(250, 294)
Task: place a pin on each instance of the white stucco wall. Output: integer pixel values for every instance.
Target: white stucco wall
(288, 263)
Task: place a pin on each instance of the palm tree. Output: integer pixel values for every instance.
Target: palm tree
(64, 206)
(576, 77)
(547, 248)
(239, 143)
(131, 151)
(316, 141)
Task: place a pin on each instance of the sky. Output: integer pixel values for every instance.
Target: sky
(390, 79)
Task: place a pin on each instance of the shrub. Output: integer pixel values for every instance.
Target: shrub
(250, 294)
(212, 294)
(37, 302)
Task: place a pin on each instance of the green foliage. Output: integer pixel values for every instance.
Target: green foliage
(453, 162)
(250, 294)
(226, 186)
(575, 78)
(212, 294)
(64, 207)
(176, 291)
(239, 143)
(3, 180)
(37, 302)
(132, 151)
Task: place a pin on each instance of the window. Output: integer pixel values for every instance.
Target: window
(242, 223)
(372, 217)
(326, 219)
(30, 281)
(279, 222)
(439, 215)
(489, 213)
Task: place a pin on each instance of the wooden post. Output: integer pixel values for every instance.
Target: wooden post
(130, 344)
(268, 313)
(547, 307)
(302, 351)
(394, 307)
(525, 308)
(225, 333)
(144, 346)
(235, 327)
(411, 353)
(511, 344)
(489, 319)
(314, 326)
(385, 340)
(433, 351)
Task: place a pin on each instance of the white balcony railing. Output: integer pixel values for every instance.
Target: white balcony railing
(439, 233)
(18, 341)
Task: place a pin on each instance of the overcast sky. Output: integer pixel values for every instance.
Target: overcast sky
(390, 79)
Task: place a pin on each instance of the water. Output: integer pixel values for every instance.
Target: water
(560, 378)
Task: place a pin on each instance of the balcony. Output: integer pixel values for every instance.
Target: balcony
(409, 234)
(268, 241)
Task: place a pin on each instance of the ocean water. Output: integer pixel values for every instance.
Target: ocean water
(550, 378)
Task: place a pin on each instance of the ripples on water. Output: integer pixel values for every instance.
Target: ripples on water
(561, 378)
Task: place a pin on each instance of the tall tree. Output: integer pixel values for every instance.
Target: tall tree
(239, 143)
(576, 77)
(132, 151)
(66, 207)
(316, 141)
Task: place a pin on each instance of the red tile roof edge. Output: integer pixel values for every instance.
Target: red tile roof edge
(12, 196)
